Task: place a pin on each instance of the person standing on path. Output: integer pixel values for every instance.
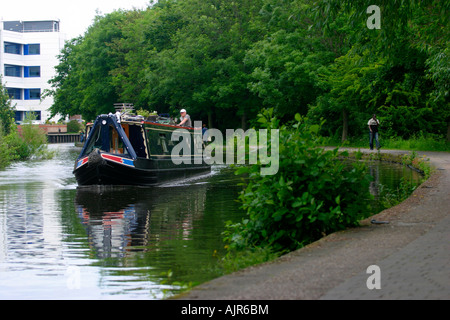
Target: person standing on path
(373, 131)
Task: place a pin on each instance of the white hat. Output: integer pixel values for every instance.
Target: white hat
(182, 110)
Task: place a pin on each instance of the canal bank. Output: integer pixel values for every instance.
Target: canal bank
(412, 252)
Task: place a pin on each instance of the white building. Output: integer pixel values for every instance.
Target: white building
(28, 56)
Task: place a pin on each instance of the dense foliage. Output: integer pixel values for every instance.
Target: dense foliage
(31, 142)
(313, 194)
(224, 61)
(6, 110)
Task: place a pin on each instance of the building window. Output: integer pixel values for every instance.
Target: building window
(31, 26)
(38, 26)
(13, 71)
(14, 48)
(32, 72)
(14, 93)
(16, 26)
(19, 116)
(32, 49)
(32, 94)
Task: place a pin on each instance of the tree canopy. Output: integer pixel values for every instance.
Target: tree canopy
(225, 60)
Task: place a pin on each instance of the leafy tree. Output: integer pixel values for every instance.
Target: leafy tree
(285, 64)
(140, 67)
(189, 54)
(350, 80)
(67, 97)
(225, 60)
(405, 25)
(83, 83)
(6, 110)
(206, 70)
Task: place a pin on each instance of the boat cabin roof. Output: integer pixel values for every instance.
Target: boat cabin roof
(130, 136)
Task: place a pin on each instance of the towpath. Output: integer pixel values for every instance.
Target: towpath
(412, 252)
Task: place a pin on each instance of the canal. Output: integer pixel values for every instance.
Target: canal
(58, 241)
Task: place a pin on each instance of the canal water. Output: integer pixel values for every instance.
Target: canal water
(58, 241)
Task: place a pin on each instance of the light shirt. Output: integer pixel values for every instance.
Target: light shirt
(188, 122)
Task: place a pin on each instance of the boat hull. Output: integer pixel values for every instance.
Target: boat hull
(143, 172)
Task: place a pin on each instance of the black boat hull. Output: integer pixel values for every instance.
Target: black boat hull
(156, 172)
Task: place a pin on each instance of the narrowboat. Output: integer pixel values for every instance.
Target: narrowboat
(126, 149)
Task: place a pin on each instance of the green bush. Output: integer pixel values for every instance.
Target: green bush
(31, 143)
(18, 148)
(4, 152)
(73, 126)
(35, 139)
(313, 193)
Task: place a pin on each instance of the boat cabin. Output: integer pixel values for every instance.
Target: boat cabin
(122, 148)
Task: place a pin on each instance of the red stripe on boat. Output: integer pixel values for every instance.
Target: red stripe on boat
(112, 158)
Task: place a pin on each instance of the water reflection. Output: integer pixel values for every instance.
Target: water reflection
(161, 235)
(387, 176)
(123, 219)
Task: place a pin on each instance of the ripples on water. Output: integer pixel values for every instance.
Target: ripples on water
(58, 241)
